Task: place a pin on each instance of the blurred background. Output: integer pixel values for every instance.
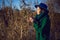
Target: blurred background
(14, 15)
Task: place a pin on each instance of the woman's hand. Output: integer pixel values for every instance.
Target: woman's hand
(31, 19)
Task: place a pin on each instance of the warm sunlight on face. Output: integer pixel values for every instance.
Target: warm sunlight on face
(38, 10)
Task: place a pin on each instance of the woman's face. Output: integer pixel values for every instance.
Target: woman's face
(38, 10)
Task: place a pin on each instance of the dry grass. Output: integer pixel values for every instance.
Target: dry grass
(14, 25)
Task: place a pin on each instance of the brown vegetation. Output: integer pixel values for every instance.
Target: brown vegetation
(14, 25)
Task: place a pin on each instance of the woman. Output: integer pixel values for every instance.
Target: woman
(41, 22)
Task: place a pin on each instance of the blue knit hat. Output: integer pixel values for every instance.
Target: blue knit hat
(43, 6)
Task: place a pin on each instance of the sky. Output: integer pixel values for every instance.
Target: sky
(16, 3)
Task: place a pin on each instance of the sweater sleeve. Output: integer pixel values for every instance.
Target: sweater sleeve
(35, 26)
(35, 23)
